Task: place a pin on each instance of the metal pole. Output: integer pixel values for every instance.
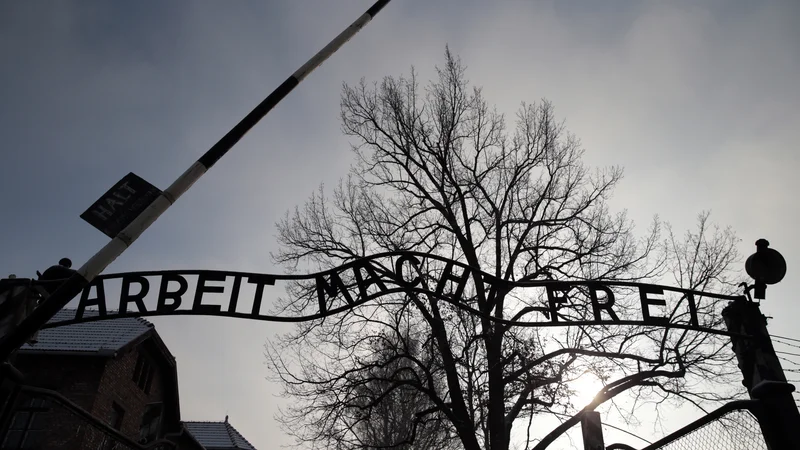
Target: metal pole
(591, 426)
(106, 255)
(763, 375)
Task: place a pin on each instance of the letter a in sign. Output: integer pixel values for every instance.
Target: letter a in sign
(117, 208)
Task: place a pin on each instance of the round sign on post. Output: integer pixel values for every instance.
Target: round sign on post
(765, 266)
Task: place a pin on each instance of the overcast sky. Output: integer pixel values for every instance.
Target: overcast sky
(698, 100)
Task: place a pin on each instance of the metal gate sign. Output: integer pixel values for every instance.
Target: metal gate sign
(117, 208)
(240, 295)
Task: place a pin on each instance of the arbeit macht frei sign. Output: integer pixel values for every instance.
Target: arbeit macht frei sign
(531, 303)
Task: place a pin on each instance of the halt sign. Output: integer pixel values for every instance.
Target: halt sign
(117, 208)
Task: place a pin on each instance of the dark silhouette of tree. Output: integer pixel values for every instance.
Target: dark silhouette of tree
(386, 412)
(438, 172)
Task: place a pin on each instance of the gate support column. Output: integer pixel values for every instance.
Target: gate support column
(763, 375)
(762, 371)
(592, 429)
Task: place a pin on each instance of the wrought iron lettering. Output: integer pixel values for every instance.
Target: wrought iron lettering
(221, 293)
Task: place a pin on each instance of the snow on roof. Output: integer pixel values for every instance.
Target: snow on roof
(217, 436)
(90, 337)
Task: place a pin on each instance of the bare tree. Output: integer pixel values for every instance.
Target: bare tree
(384, 413)
(437, 172)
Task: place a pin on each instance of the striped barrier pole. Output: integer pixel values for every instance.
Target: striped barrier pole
(106, 255)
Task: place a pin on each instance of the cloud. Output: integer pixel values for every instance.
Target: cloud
(698, 101)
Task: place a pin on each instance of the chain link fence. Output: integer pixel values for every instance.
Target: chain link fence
(736, 430)
(729, 428)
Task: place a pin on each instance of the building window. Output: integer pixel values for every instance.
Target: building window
(27, 428)
(117, 413)
(115, 420)
(151, 423)
(143, 373)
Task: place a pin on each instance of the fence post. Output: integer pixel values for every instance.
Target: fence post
(763, 374)
(592, 429)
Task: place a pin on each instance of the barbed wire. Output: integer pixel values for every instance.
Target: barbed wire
(786, 343)
(784, 337)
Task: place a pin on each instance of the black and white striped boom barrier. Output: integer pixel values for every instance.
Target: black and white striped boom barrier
(106, 255)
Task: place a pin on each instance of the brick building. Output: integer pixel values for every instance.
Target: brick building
(120, 372)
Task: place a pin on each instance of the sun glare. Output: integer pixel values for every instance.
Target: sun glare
(585, 388)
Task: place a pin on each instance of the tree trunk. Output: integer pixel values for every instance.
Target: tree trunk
(498, 437)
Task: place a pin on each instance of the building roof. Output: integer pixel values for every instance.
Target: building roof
(217, 435)
(100, 337)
